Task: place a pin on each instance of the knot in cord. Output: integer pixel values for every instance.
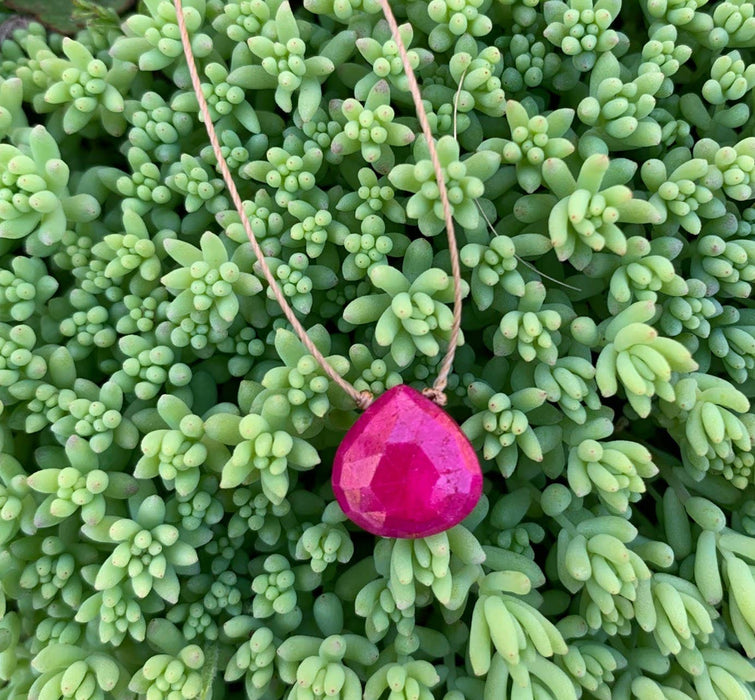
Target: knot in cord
(437, 396)
(364, 400)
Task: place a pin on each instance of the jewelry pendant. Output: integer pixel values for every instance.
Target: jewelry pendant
(405, 469)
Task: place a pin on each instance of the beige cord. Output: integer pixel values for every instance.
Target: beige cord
(436, 391)
(362, 398)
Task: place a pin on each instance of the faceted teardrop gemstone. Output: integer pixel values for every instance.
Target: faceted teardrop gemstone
(405, 468)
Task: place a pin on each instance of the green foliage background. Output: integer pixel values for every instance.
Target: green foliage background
(167, 526)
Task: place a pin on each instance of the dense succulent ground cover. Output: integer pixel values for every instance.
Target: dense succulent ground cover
(167, 526)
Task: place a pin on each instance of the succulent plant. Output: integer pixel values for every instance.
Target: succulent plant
(35, 193)
(586, 216)
(582, 29)
(283, 65)
(88, 88)
(625, 357)
(463, 179)
(411, 314)
(168, 526)
(533, 140)
(369, 128)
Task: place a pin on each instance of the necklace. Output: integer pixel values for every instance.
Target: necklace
(404, 469)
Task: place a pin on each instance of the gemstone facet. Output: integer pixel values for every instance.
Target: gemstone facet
(405, 468)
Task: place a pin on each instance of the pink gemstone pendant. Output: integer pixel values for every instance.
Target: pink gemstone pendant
(405, 469)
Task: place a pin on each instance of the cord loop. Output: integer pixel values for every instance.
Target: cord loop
(364, 400)
(437, 396)
(361, 399)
